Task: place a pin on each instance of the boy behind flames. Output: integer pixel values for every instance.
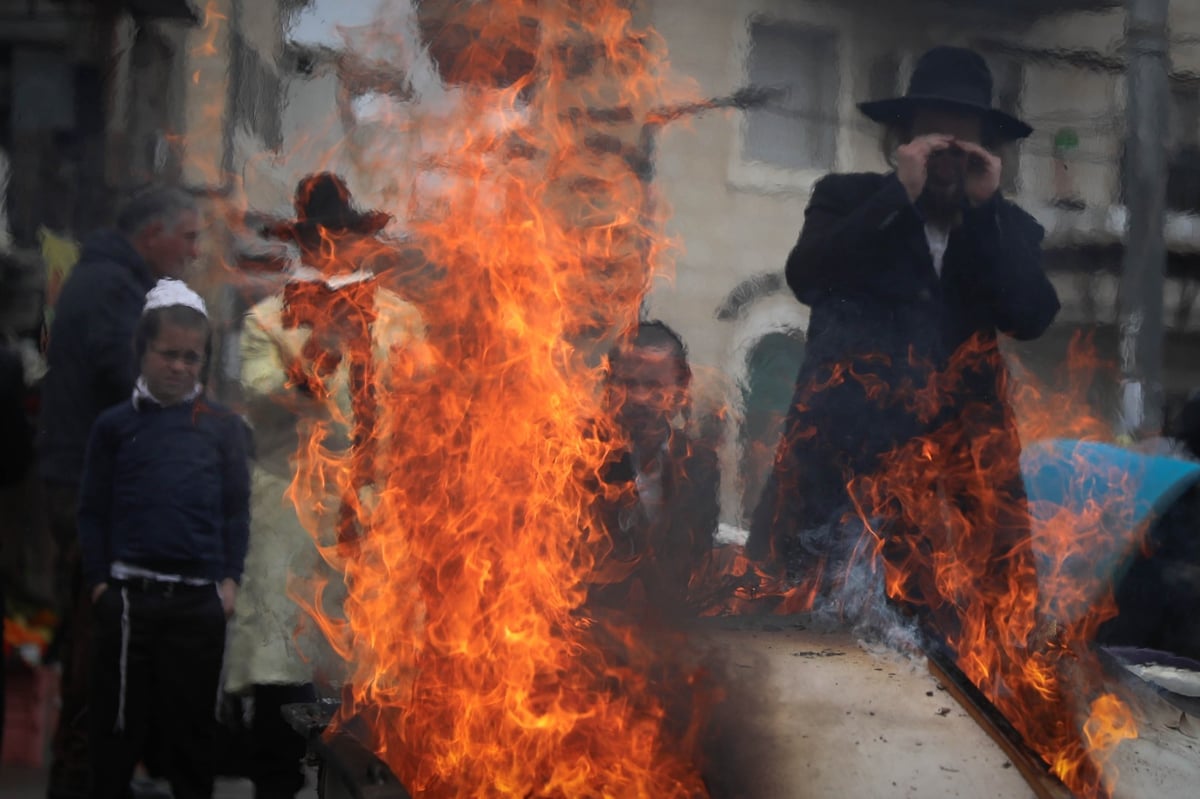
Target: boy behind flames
(662, 525)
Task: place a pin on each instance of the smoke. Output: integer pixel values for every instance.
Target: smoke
(840, 561)
(753, 736)
(739, 749)
(744, 752)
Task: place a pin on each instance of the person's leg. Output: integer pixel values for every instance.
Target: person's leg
(278, 749)
(190, 651)
(68, 748)
(61, 504)
(122, 638)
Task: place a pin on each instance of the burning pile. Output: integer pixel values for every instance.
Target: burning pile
(1021, 636)
(943, 524)
(462, 509)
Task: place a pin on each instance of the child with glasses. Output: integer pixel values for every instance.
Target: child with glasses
(163, 525)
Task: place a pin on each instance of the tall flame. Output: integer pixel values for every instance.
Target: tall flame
(460, 515)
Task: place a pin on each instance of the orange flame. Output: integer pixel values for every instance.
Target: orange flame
(451, 480)
(944, 518)
(205, 111)
(211, 29)
(962, 554)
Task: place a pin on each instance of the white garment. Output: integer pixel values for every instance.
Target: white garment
(303, 273)
(939, 239)
(141, 393)
(169, 292)
(648, 479)
(271, 640)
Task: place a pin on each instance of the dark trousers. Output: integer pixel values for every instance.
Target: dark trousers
(156, 666)
(68, 750)
(276, 769)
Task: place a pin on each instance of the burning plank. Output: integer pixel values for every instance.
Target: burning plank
(813, 711)
(1035, 771)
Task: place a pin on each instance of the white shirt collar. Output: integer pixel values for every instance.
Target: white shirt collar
(939, 239)
(302, 273)
(141, 394)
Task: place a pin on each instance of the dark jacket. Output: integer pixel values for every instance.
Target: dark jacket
(90, 359)
(15, 429)
(885, 331)
(653, 558)
(166, 489)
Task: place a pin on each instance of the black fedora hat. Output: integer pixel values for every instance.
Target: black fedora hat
(950, 77)
(323, 202)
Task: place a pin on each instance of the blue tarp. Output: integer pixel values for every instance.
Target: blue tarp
(1090, 504)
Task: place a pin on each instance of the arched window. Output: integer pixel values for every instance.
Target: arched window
(771, 369)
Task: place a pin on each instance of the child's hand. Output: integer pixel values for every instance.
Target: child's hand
(98, 591)
(228, 596)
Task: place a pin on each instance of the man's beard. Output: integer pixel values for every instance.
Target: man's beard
(942, 202)
(645, 426)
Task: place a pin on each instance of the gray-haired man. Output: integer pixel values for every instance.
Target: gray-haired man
(91, 368)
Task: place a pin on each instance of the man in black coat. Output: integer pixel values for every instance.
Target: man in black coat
(911, 277)
(91, 368)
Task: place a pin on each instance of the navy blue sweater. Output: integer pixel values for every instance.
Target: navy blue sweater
(166, 489)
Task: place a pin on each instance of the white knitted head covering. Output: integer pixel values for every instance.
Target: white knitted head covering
(170, 292)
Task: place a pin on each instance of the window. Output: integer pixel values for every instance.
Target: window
(1185, 115)
(1183, 169)
(1183, 166)
(797, 130)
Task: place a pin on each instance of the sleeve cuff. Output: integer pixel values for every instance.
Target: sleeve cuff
(892, 202)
